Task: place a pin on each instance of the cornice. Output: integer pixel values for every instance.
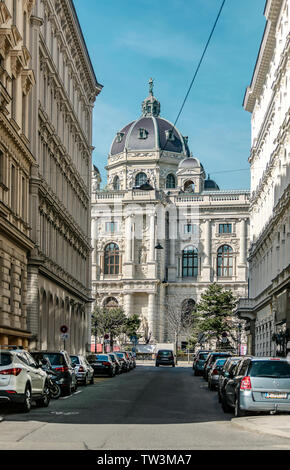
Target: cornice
(265, 54)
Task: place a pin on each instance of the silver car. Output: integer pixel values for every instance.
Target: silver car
(259, 384)
(84, 371)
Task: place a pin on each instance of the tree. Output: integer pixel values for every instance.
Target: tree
(132, 325)
(179, 321)
(108, 320)
(214, 313)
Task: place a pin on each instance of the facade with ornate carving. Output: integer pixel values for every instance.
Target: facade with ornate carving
(16, 160)
(53, 87)
(162, 230)
(267, 99)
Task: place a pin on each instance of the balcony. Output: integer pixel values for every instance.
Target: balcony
(246, 309)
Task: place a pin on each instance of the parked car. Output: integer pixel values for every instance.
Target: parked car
(116, 360)
(102, 364)
(22, 380)
(133, 359)
(124, 361)
(62, 365)
(211, 358)
(258, 384)
(214, 372)
(165, 357)
(227, 369)
(130, 359)
(84, 371)
(198, 363)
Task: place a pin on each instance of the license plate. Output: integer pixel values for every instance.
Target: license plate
(276, 395)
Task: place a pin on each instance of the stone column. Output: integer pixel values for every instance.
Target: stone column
(243, 239)
(151, 316)
(128, 301)
(161, 334)
(152, 238)
(206, 268)
(128, 239)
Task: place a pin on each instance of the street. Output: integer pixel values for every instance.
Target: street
(147, 408)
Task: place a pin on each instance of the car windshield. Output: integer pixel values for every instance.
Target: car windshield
(75, 359)
(5, 359)
(120, 354)
(55, 359)
(270, 368)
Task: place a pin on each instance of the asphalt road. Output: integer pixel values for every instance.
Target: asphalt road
(147, 408)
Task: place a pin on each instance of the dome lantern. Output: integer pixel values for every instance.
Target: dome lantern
(151, 106)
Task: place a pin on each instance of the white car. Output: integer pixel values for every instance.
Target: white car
(22, 380)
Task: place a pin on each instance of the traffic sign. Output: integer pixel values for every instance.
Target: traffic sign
(64, 336)
(64, 329)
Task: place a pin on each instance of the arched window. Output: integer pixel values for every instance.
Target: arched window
(170, 181)
(112, 259)
(225, 261)
(189, 186)
(140, 179)
(110, 302)
(116, 183)
(190, 262)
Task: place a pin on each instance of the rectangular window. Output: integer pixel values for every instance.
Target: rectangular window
(111, 226)
(191, 228)
(13, 187)
(2, 168)
(225, 228)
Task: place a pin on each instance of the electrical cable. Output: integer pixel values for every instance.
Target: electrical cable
(196, 71)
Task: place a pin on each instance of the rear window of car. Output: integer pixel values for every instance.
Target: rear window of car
(101, 357)
(202, 357)
(112, 357)
(271, 368)
(220, 362)
(5, 359)
(55, 359)
(75, 359)
(165, 353)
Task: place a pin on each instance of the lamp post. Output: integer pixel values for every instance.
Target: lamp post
(239, 338)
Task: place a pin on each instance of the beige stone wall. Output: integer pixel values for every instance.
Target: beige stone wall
(16, 82)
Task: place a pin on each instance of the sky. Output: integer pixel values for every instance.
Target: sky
(130, 41)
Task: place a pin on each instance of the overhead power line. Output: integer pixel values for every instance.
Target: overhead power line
(197, 68)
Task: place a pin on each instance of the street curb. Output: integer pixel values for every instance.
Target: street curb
(243, 423)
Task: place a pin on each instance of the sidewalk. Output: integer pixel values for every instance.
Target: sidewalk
(275, 425)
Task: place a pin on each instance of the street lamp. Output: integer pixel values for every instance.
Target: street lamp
(239, 337)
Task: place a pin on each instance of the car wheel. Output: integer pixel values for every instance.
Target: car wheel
(238, 412)
(44, 401)
(85, 382)
(25, 407)
(92, 380)
(173, 365)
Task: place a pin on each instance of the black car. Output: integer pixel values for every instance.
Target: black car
(63, 367)
(212, 357)
(165, 357)
(102, 364)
